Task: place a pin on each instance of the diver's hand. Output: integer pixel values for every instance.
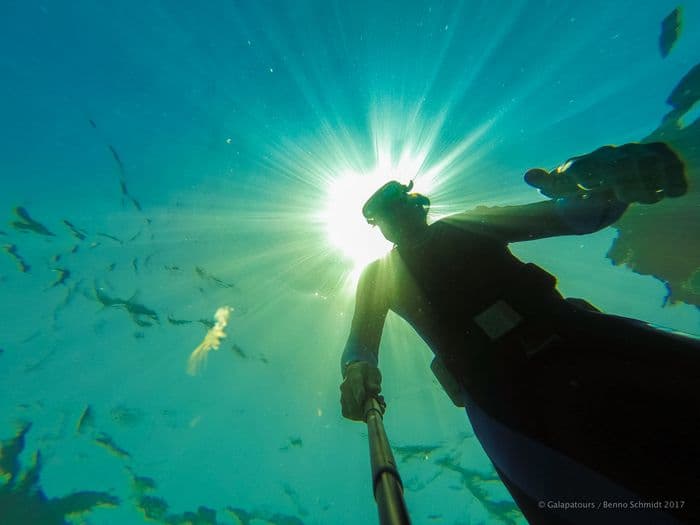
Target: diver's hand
(632, 172)
(362, 381)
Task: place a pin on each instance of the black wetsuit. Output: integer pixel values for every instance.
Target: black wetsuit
(568, 402)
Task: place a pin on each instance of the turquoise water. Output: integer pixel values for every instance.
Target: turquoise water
(191, 148)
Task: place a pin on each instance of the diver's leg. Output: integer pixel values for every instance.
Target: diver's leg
(622, 398)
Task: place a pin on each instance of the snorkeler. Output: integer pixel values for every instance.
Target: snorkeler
(587, 417)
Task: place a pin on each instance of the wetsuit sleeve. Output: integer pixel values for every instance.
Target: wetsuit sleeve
(565, 216)
(371, 307)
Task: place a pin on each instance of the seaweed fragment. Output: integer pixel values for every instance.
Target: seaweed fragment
(26, 223)
(11, 250)
(671, 28)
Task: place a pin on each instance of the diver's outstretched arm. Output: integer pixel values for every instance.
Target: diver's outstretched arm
(526, 222)
(588, 193)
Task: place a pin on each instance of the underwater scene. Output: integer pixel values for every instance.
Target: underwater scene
(182, 236)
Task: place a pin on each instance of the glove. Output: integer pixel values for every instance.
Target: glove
(362, 382)
(630, 173)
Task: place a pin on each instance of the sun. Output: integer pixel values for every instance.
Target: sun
(346, 193)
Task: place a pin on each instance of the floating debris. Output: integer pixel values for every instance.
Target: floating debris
(86, 420)
(108, 443)
(26, 223)
(22, 499)
(11, 250)
(78, 234)
(671, 28)
(201, 272)
(139, 313)
(135, 264)
(211, 340)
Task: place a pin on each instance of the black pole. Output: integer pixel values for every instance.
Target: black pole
(386, 481)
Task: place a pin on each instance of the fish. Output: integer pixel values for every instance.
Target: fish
(63, 276)
(201, 272)
(25, 499)
(178, 322)
(26, 223)
(86, 420)
(107, 442)
(78, 234)
(112, 237)
(140, 314)
(11, 250)
(238, 350)
(118, 160)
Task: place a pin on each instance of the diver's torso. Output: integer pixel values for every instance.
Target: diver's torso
(439, 284)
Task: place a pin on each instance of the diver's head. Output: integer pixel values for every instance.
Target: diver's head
(399, 214)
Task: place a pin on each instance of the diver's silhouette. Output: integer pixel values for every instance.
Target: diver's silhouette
(575, 408)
